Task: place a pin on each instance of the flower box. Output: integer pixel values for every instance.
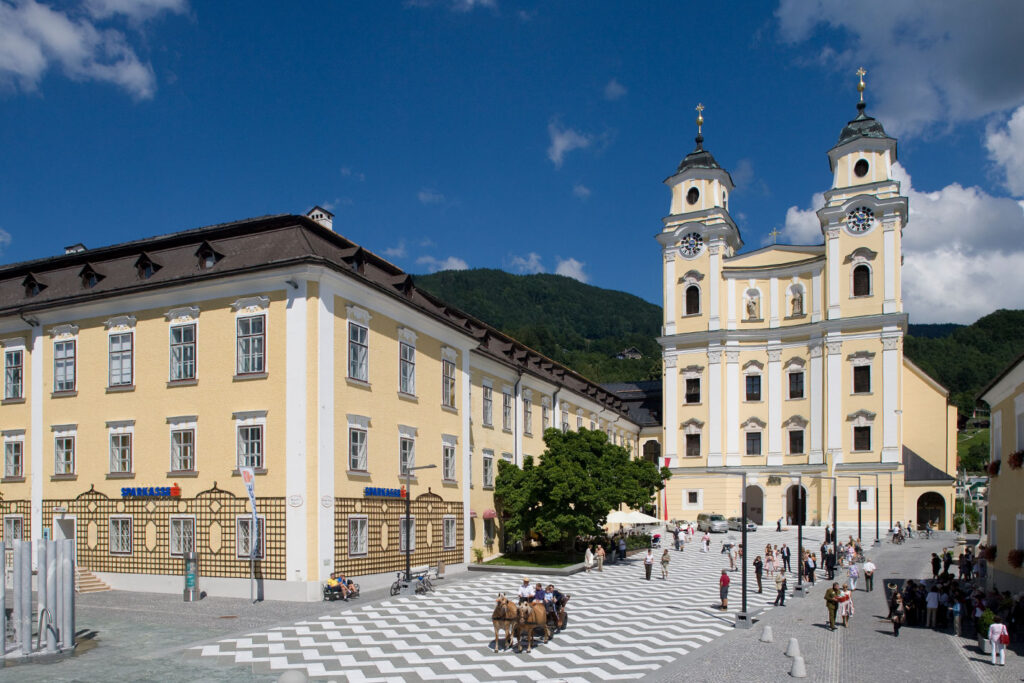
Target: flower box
(1015, 460)
(993, 468)
(990, 553)
(1015, 558)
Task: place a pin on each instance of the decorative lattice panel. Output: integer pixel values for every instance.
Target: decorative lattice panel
(215, 512)
(383, 517)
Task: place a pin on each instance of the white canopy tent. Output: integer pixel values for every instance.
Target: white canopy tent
(631, 517)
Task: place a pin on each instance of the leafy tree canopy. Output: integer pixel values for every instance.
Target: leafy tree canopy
(580, 478)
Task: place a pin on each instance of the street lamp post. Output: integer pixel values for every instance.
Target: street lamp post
(835, 508)
(408, 507)
(801, 509)
(742, 618)
(857, 477)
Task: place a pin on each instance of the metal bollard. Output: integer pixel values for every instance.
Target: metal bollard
(3, 599)
(16, 592)
(25, 559)
(43, 612)
(51, 595)
(68, 606)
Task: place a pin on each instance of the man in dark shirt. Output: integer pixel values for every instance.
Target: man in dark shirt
(832, 604)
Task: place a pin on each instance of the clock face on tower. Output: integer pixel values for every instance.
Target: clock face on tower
(691, 244)
(860, 219)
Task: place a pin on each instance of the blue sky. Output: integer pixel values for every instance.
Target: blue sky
(525, 136)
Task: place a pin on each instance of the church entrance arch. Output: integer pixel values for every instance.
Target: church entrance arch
(796, 509)
(931, 507)
(755, 505)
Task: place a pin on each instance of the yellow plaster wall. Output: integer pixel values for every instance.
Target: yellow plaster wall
(923, 408)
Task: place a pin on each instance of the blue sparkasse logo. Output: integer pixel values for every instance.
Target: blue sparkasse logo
(378, 492)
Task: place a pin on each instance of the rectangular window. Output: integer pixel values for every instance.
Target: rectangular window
(592, 425)
(407, 534)
(488, 406)
(753, 443)
(250, 446)
(488, 469)
(120, 535)
(796, 385)
(527, 417)
(120, 359)
(358, 541)
(64, 455)
(14, 459)
(358, 352)
(357, 460)
(693, 445)
(64, 365)
(692, 497)
(183, 450)
(862, 379)
(120, 453)
(579, 422)
(14, 374)
(244, 546)
(693, 390)
(506, 411)
(448, 383)
(449, 533)
(996, 442)
(183, 352)
(14, 528)
(545, 417)
(407, 368)
(182, 536)
(862, 438)
(251, 340)
(406, 456)
(469, 468)
(753, 387)
(796, 441)
(448, 462)
(1019, 533)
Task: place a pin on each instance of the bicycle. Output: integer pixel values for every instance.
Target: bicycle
(423, 584)
(396, 587)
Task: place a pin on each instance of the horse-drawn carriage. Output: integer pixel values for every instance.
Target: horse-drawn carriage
(519, 622)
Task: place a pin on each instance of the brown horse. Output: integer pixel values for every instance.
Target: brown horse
(531, 616)
(504, 619)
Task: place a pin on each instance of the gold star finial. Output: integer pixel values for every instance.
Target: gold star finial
(860, 86)
(775, 235)
(700, 116)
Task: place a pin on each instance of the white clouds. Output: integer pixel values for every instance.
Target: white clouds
(429, 196)
(570, 267)
(930, 63)
(5, 239)
(563, 141)
(34, 37)
(454, 5)
(347, 172)
(1005, 146)
(529, 264)
(434, 265)
(580, 191)
(962, 249)
(397, 251)
(614, 90)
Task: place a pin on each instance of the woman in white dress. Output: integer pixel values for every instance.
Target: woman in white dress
(588, 559)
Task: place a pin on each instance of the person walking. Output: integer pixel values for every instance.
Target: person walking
(854, 574)
(784, 552)
(622, 548)
(705, 542)
(846, 605)
(780, 586)
(758, 567)
(664, 564)
(600, 557)
(778, 524)
(869, 575)
(899, 613)
(588, 559)
(957, 611)
(648, 563)
(936, 566)
(999, 638)
(931, 602)
(732, 559)
(723, 590)
(675, 536)
(809, 568)
(832, 605)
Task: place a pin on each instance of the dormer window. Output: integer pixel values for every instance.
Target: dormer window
(208, 256)
(32, 285)
(90, 278)
(146, 267)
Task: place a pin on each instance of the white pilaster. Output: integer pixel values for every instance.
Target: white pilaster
(670, 387)
(816, 297)
(773, 302)
(889, 305)
(816, 386)
(714, 278)
(325, 433)
(517, 420)
(732, 408)
(730, 305)
(296, 348)
(36, 399)
(670, 292)
(774, 404)
(890, 397)
(833, 273)
(835, 401)
(715, 406)
(466, 409)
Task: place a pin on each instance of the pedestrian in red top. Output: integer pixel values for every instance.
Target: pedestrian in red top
(723, 590)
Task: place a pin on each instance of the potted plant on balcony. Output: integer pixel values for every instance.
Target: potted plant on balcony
(1015, 460)
(993, 468)
(1015, 558)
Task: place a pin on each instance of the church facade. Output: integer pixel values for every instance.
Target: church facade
(787, 361)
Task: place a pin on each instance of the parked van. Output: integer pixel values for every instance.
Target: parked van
(713, 523)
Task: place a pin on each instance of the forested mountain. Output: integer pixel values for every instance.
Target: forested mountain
(584, 327)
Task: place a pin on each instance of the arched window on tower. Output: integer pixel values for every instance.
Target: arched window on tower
(692, 300)
(862, 280)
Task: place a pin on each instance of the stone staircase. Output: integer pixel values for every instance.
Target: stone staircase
(86, 582)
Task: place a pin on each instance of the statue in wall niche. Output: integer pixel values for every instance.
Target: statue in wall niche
(752, 306)
(798, 302)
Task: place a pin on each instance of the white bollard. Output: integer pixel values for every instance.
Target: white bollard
(3, 599)
(766, 635)
(293, 676)
(16, 593)
(25, 559)
(58, 581)
(41, 605)
(794, 648)
(799, 670)
(51, 596)
(68, 571)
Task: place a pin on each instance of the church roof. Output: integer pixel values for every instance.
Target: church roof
(642, 400)
(916, 468)
(698, 158)
(863, 126)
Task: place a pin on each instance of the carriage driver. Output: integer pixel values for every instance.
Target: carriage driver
(526, 591)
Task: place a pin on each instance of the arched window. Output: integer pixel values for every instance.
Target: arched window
(862, 280)
(692, 300)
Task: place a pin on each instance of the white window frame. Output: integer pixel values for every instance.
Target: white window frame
(261, 535)
(506, 409)
(687, 285)
(123, 358)
(796, 366)
(861, 418)
(358, 542)
(861, 359)
(406, 451)
(14, 523)
(487, 406)
(449, 532)
(406, 361)
(177, 368)
(527, 413)
(121, 552)
(358, 344)
(118, 432)
(753, 368)
(545, 414)
(448, 393)
(62, 371)
(358, 424)
(857, 262)
(182, 424)
(175, 546)
(487, 468)
(402, 533)
(251, 308)
(692, 427)
(14, 438)
(246, 420)
(869, 504)
(449, 458)
(14, 373)
(687, 505)
(753, 425)
(61, 432)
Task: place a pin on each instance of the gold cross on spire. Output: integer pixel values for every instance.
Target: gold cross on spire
(700, 116)
(860, 86)
(775, 235)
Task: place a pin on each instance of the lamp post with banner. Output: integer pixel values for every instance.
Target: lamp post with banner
(409, 537)
(249, 479)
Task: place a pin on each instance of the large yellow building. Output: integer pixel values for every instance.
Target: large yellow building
(140, 377)
(1005, 524)
(788, 359)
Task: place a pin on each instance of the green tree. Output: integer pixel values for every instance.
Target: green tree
(973, 517)
(580, 478)
(976, 458)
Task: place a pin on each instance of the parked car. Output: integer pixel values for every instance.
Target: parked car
(736, 524)
(713, 523)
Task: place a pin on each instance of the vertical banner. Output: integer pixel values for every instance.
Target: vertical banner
(249, 479)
